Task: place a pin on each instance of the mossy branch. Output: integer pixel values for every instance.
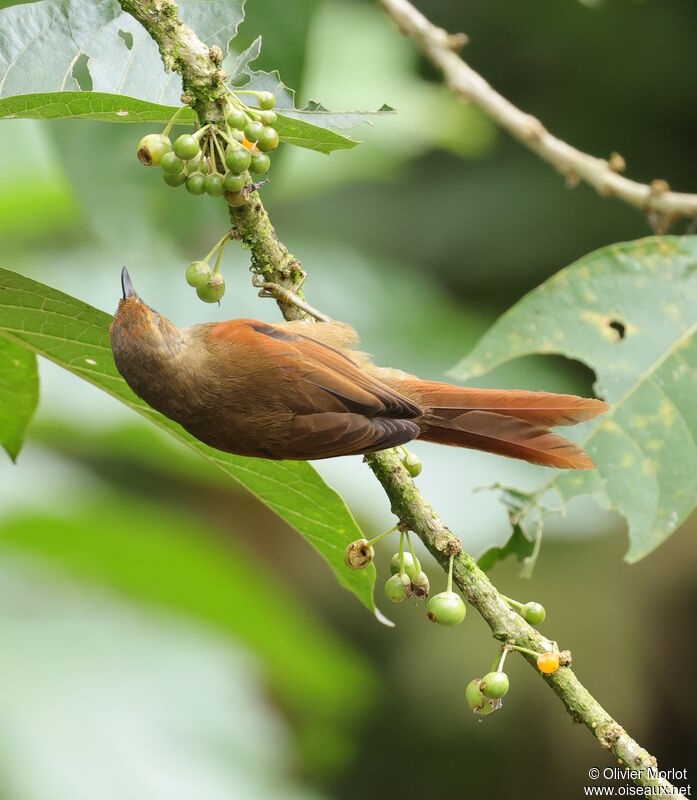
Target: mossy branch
(273, 263)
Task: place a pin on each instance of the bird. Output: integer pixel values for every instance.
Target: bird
(303, 391)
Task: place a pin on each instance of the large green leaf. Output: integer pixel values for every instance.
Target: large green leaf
(59, 47)
(119, 108)
(629, 312)
(76, 336)
(54, 45)
(19, 394)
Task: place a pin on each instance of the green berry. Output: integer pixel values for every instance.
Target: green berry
(233, 183)
(260, 163)
(534, 613)
(409, 566)
(239, 135)
(412, 464)
(236, 199)
(194, 164)
(473, 695)
(198, 273)
(152, 147)
(186, 146)
(268, 117)
(214, 185)
(494, 685)
(253, 130)
(171, 164)
(396, 589)
(174, 180)
(267, 100)
(359, 554)
(421, 584)
(196, 183)
(237, 119)
(237, 159)
(446, 608)
(213, 290)
(268, 140)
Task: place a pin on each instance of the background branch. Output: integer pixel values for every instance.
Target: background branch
(601, 174)
(273, 263)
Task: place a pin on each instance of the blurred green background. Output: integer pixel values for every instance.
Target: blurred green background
(165, 636)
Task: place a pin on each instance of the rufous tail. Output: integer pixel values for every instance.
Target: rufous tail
(509, 423)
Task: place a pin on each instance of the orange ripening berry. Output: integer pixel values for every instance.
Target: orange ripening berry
(548, 663)
(249, 145)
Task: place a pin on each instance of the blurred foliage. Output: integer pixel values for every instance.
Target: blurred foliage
(166, 559)
(429, 230)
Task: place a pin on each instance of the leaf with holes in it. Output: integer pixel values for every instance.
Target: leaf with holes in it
(19, 395)
(75, 336)
(629, 312)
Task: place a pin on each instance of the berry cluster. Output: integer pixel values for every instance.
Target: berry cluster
(407, 578)
(485, 695)
(209, 283)
(218, 159)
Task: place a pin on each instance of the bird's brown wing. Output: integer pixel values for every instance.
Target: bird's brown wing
(336, 407)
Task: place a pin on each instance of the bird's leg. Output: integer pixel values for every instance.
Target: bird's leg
(278, 292)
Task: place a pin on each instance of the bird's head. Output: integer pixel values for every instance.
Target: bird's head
(139, 334)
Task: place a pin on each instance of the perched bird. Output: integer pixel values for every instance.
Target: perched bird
(299, 390)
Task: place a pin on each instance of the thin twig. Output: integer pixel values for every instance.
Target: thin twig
(273, 264)
(601, 174)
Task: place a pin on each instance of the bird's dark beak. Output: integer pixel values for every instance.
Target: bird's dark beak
(127, 286)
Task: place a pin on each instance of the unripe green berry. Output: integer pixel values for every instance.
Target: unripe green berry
(236, 199)
(260, 163)
(198, 273)
(409, 566)
(397, 589)
(196, 183)
(233, 183)
(214, 185)
(237, 159)
(171, 164)
(473, 695)
(477, 702)
(194, 164)
(237, 119)
(174, 180)
(186, 146)
(268, 140)
(213, 290)
(446, 608)
(534, 613)
(267, 100)
(152, 147)
(412, 463)
(359, 554)
(268, 117)
(494, 685)
(238, 135)
(253, 130)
